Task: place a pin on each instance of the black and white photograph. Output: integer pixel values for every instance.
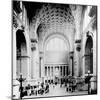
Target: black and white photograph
(54, 49)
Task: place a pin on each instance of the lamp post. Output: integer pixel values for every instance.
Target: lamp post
(20, 79)
(71, 56)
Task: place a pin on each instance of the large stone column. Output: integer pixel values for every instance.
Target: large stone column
(62, 71)
(47, 73)
(77, 58)
(53, 71)
(42, 65)
(72, 63)
(28, 68)
(95, 54)
(83, 54)
(77, 12)
(65, 70)
(15, 82)
(32, 63)
(36, 62)
(28, 53)
(50, 71)
(35, 59)
(70, 67)
(14, 55)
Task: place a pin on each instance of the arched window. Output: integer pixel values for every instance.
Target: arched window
(21, 53)
(89, 55)
(56, 44)
(56, 51)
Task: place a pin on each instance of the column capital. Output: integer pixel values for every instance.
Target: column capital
(41, 54)
(33, 44)
(78, 44)
(71, 54)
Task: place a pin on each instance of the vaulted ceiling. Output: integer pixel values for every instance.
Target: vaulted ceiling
(53, 15)
(47, 16)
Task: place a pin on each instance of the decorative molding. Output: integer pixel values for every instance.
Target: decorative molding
(78, 47)
(89, 34)
(34, 40)
(33, 44)
(78, 41)
(71, 54)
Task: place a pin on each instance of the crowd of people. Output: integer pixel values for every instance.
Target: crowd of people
(34, 90)
(41, 88)
(70, 84)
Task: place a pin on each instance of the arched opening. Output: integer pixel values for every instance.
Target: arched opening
(89, 55)
(21, 54)
(56, 59)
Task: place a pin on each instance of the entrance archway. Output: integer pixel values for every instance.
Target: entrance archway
(56, 57)
(89, 55)
(21, 54)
